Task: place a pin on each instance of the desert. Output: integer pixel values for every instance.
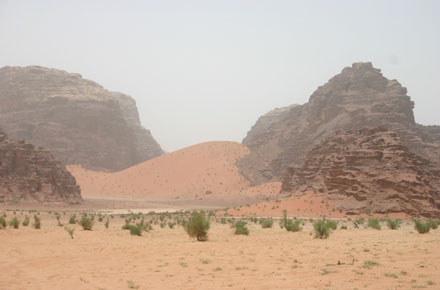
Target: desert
(165, 258)
(219, 145)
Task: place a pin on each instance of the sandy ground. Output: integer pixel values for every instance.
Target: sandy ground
(168, 259)
(300, 205)
(205, 171)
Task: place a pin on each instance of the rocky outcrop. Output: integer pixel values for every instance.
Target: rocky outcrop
(29, 174)
(264, 123)
(360, 96)
(76, 119)
(370, 170)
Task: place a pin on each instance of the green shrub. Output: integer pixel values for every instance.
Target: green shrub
(14, 223)
(394, 224)
(322, 229)
(2, 223)
(37, 222)
(171, 224)
(72, 220)
(293, 226)
(241, 228)
(197, 226)
(267, 223)
(421, 226)
(26, 221)
(136, 230)
(107, 223)
(70, 231)
(86, 223)
(374, 224)
(127, 224)
(344, 227)
(433, 224)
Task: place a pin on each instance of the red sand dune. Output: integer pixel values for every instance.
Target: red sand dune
(205, 171)
(306, 205)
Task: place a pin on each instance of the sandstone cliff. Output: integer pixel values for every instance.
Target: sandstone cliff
(370, 170)
(76, 119)
(360, 96)
(29, 174)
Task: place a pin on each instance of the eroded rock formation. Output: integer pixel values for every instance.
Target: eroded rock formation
(359, 97)
(76, 119)
(370, 170)
(29, 174)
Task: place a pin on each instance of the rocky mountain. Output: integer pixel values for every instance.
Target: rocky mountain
(29, 174)
(78, 120)
(358, 97)
(369, 170)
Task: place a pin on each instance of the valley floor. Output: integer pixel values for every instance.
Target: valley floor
(166, 258)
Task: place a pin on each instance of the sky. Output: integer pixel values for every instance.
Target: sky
(206, 70)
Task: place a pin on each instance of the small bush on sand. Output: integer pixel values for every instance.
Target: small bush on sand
(70, 231)
(197, 226)
(127, 224)
(135, 230)
(37, 222)
(293, 225)
(26, 221)
(171, 224)
(322, 229)
(266, 223)
(2, 223)
(14, 223)
(86, 223)
(393, 224)
(374, 224)
(72, 220)
(433, 224)
(421, 226)
(241, 228)
(107, 223)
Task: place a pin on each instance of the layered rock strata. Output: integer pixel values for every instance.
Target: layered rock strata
(370, 170)
(29, 174)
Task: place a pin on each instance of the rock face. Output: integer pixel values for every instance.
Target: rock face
(359, 97)
(76, 119)
(29, 174)
(370, 170)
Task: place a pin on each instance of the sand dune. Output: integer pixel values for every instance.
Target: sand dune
(203, 171)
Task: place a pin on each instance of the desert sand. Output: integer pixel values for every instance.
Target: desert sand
(203, 171)
(300, 204)
(167, 258)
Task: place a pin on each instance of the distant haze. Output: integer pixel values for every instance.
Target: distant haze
(206, 70)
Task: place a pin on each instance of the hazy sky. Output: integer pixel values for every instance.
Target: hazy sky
(206, 70)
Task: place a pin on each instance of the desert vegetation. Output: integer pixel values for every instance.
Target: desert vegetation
(226, 234)
(197, 226)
